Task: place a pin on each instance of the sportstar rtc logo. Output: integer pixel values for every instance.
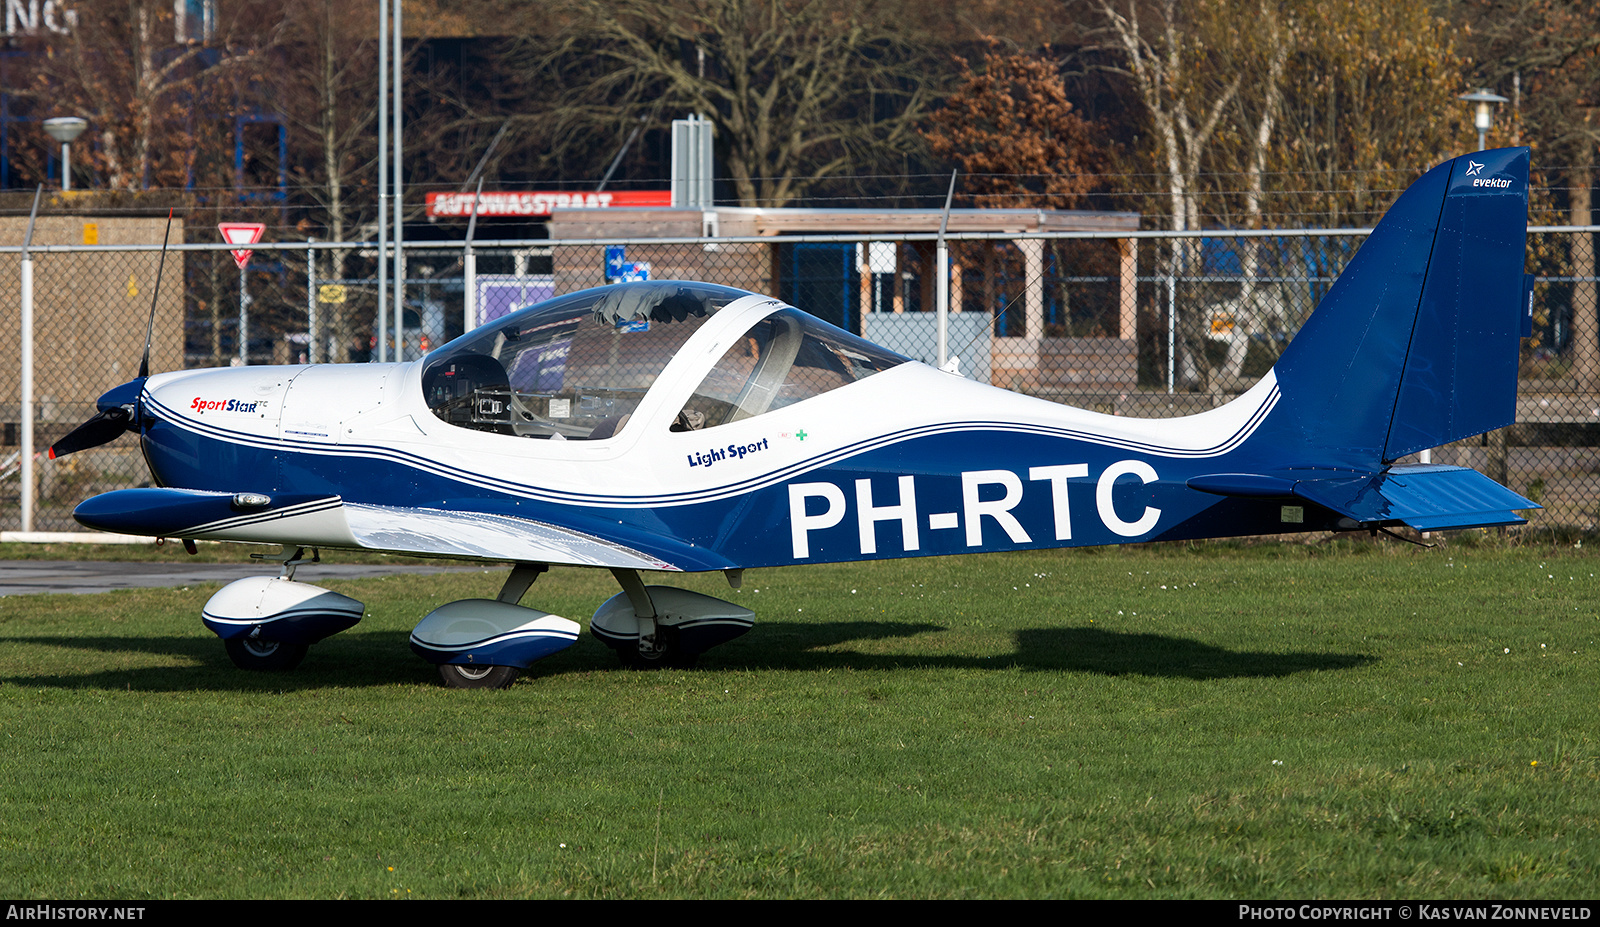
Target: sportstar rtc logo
(227, 405)
(1474, 169)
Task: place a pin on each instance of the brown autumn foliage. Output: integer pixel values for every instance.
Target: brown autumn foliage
(1011, 128)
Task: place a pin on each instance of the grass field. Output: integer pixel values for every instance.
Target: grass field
(1339, 720)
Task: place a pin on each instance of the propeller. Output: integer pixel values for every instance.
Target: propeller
(119, 408)
(102, 428)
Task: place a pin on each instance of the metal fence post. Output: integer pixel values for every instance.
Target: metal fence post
(1172, 330)
(244, 319)
(469, 260)
(312, 354)
(30, 485)
(27, 489)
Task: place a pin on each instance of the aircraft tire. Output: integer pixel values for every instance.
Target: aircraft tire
(457, 676)
(669, 658)
(264, 656)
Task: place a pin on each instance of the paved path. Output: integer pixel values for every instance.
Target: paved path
(20, 577)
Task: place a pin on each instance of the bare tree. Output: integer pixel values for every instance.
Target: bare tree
(1185, 90)
(142, 87)
(1277, 111)
(327, 90)
(1547, 52)
(1180, 72)
(800, 90)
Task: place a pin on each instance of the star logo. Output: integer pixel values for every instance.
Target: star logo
(1473, 168)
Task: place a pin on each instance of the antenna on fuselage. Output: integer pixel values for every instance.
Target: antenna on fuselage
(150, 326)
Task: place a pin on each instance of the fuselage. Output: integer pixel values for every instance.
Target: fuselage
(909, 462)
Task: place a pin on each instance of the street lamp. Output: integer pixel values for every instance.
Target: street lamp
(66, 129)
(1483, 101)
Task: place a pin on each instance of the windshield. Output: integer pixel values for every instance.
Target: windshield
(570, 368)
(787, 357)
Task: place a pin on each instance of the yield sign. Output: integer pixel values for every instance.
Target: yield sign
(241, 233)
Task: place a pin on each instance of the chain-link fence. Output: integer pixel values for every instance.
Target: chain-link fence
(1141, 324)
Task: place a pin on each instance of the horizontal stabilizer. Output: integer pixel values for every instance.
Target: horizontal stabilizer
(1426, 497)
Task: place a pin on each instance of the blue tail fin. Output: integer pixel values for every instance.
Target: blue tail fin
(1416, 345)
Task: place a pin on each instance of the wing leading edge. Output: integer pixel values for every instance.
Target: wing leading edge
(329, 521)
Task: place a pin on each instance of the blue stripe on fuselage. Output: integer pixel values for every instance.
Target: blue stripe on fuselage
(969, 491)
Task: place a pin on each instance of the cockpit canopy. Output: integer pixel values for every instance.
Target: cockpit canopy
(577, 366)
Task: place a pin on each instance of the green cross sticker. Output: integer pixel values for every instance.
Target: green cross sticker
(801, 434)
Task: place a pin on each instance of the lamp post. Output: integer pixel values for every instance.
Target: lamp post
(1483, 101)
(66, 129)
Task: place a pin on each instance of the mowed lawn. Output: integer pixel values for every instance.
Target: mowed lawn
(1333, 720)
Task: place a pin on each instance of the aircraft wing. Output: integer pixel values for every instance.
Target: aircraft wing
(470, 535)
(329, 521)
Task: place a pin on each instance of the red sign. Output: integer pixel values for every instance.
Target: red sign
(540, 202)
(241, 233)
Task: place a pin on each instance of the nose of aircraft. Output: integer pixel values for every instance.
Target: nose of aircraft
(118, 412)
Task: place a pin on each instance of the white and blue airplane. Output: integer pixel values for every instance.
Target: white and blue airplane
(687, 427)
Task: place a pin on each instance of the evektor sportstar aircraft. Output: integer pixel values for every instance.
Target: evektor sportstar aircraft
(676, 426)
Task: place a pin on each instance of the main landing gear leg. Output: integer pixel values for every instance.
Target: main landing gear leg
(289, 561)
(657, 644)
(520, 581)
(656, 626)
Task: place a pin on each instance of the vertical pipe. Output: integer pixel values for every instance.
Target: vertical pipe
(312, 337)
(27, 392)
(942, 281)
(1172, 330)
(941, 299)
(29, 487)
(244, 320)
(469, 262)
(383, 181)
(398, 88)
(470, 273)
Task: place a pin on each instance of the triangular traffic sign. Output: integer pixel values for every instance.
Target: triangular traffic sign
(241, 233)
